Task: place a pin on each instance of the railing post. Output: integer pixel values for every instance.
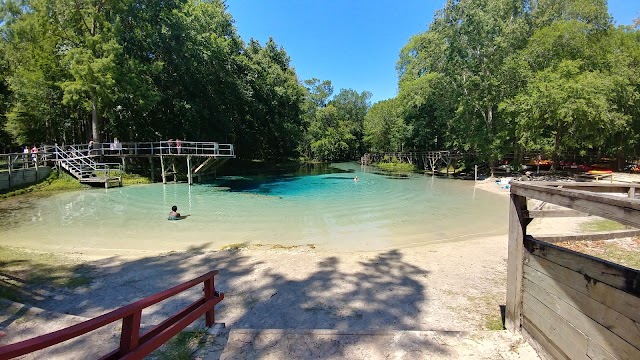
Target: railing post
(209, 288)
(10, 168)
(130, 332)
(189, 174)
(517, 232)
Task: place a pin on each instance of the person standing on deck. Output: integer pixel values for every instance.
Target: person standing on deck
(34, 153)
(178, 145)
(170, 144)
(25, 157)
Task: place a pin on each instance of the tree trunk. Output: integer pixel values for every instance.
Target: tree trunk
(95, 124)
(621, 161)
(556, 150)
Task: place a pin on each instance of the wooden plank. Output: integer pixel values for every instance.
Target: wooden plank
(557, 336)
(533, 214)
(618, 276)
(614, 321)
(543, 346)
(609, 296)
(596, 352)
(604, 235)
(517, 230)
(592, 186)
(598, 333)
(623, 210)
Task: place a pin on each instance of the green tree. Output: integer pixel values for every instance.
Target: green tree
(272, 127)
(352, 108)
(464, 52)
(384, 127)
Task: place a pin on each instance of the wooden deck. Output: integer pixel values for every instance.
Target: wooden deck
(90, 163)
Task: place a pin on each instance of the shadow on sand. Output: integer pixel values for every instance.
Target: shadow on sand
(380, 293)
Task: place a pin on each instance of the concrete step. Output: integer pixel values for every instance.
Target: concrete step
(336, 344)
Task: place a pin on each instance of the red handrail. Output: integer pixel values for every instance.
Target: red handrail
(132, 344)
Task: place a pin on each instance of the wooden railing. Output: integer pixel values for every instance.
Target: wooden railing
(47, 153)
(196, 148)
(567, 304)
(132, 344)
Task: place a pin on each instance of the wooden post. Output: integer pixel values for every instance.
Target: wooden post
(152, 169)
(36, 158)
(173, 167)
(448, 163)
(209, 288)
(164, 177)
(632, 192)
(130, 332)
(189, 175)
(10, 170)
(517, 232)
(124, 164)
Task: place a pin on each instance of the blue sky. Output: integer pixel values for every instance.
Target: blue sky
(353, 43)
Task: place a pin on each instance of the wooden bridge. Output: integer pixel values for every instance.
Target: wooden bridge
(428, 160)
(90, 163)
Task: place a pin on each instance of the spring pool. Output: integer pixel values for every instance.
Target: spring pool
(326, 208)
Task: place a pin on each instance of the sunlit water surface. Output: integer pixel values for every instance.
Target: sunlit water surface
(330, 211)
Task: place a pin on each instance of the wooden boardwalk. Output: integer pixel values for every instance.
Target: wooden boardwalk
(201, 158)
(103, 163)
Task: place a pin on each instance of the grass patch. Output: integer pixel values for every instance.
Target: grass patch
(234, 247)
(55, 182)
(134, 179)
(625, 252)
(396, 167)
(22, 271)
(628, 258)
(180, 347)
(494, 322)
(601, 225)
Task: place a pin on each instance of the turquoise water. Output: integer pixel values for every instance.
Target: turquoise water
(328, 210)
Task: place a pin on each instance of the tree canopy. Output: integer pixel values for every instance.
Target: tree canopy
(505, 77)
(496, 77)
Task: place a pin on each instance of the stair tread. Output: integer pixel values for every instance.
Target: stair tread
(366, 344)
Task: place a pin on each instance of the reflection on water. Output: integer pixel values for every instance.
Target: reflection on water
(316, 205)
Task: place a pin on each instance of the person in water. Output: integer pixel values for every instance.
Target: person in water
(355, 178)
(175, 215)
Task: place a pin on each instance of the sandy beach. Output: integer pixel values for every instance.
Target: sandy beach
(449, 286)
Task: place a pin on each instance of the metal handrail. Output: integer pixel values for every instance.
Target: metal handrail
(132, 344)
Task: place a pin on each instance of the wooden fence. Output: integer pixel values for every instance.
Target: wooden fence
(567, 304)
(133, 345)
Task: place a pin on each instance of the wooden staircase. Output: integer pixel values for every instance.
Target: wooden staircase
(80, 164)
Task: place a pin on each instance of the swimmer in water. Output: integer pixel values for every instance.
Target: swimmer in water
(355, 178)
(175, 215)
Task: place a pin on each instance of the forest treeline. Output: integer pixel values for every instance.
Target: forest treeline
(495, 77)
(503, 78)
